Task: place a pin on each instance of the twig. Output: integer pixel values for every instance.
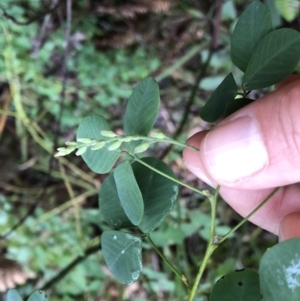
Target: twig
(170, 265)
(89, 251)
(37, 42)
(63, 75)
(38, 15)
(246, 218)
(202, 71)
(201, 74)
(24, 117)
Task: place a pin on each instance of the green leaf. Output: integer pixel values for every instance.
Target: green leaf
(102, 160)
(288, 9)
(110, 205)
(236, 104)
(280, 272)
(122, 254)
(159, 193)
(215, 107)
(273, 60)
(254, 23)
(297, 69)
(240, 285)
(13, 295)
(142, 108)
(129, 193)
(38, 296)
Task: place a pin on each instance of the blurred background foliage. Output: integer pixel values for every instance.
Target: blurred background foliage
(63, 60)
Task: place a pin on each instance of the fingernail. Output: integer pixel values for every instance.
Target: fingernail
(235, 150)
(289, 226)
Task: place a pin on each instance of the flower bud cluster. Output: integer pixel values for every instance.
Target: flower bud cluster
(111, 141)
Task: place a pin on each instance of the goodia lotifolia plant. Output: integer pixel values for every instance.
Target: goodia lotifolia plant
(141, 191)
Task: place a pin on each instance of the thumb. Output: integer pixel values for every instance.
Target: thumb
(255, 148)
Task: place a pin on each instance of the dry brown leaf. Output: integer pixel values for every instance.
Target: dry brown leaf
(11, 274)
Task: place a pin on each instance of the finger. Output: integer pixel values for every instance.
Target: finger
(269, 216)
(290, 79)
(284, 202)
(192, 159)
(290, 226)
(257, 147)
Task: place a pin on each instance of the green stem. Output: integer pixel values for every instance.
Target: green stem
(211, 247)
(165, 140)
(136, 138)
(213, 204)
(165, 259)
(204, 192)
(249, 215)
(201, 73)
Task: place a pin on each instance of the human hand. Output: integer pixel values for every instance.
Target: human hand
(253, 151)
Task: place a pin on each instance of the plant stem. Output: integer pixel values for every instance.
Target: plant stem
(211, 246)
(67, 269)
(166, 140)
(136, 138)
(202, 71)
(180, 62)
(249, 215)
(202, 192)
(162, 256)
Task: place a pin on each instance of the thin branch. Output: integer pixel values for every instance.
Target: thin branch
(246, 218)
(63, 75)
(170, 265)
(89, 251)
(38, 14)
(47, 179)
(202, 72)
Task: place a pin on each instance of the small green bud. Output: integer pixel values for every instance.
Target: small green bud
(126, 139)
(141, 148)
(60, 154)
(70, 148)
(108, 134)
(134, 138)
(158, 135)
(115, 145)
(84, 140)
(73, 143)
(61, 149)
(81, 151)
(98, 145)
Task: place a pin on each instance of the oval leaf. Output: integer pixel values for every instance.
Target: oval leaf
(236, 104)
(122, 254)
(129, 193)
(102, 160)
(215, 107)
(280, 272)
(38, 296)
(13, 295)
(142, 108)
(297, 69)
(254, 23)
(159, 193)
(273, 60)
(110, 205)
(240, 285)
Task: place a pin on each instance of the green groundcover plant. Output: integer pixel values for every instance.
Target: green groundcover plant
(140, 192)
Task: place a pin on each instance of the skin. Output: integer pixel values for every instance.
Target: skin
(276, 120)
